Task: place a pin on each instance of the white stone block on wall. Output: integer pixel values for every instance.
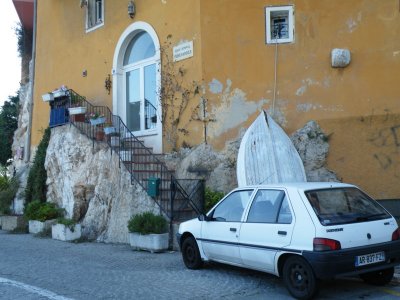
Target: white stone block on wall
(340, 58)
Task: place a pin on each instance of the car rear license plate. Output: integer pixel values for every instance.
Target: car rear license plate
(368, 259)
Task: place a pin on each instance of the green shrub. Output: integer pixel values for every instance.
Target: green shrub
(147, 223)
(7, 194)
(67, 222)
(211, 198)
(42, 211)
(36, 185)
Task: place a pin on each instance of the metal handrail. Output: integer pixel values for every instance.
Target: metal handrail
(135, 156)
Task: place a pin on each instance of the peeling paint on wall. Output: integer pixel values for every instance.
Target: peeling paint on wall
(305, 84)
(305, 107)
(234, 108)
(215, 86)
(352, 24)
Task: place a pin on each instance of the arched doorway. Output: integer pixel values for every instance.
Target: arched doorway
(136, 79)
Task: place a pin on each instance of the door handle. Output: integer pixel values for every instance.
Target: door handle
(232, 229)
(282, 232)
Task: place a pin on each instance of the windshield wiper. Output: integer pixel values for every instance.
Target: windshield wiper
(369, 217)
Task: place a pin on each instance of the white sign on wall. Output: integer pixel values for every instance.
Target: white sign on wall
(183, 51)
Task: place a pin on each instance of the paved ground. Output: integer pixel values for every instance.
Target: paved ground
(41, 268)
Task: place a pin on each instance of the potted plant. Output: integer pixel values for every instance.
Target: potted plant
(99, 135)
(148, 231)
(96, 118)
(109, 129)
(66, 230)
(62, 91)
(41, 215)
(77, 113)
(8, 190)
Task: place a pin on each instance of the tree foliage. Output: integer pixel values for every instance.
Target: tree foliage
(8, 124)
(36, 185)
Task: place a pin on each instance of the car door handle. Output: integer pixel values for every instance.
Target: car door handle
(282, 232)
(232, 229)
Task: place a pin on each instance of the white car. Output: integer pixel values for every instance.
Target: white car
(299, 231)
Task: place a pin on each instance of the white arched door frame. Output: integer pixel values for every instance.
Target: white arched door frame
(152, 138)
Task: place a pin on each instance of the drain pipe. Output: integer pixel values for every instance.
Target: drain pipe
(27, 152)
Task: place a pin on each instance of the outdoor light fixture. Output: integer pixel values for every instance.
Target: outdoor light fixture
(131, 9)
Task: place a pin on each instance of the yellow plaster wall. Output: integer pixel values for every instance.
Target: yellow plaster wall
(365, 151)
(236, 69)
(65, 50)
(307, 86)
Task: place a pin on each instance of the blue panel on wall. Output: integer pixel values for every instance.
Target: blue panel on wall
(58, 116)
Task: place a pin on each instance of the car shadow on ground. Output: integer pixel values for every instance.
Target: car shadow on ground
(339, 288)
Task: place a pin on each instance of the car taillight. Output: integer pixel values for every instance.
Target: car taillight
(396, 234)
(321, 244)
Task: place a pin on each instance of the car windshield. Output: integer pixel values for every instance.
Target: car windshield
(344, 205)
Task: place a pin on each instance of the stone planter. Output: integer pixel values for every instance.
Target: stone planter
(60, 93)
(64, 233)
(77, 110)
(48, 97)
(38, 226)
(110, 130)
(77, 114)
(149, 242)
(97, 121)
(10, 223)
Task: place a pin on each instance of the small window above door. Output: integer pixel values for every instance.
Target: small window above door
(139, 48)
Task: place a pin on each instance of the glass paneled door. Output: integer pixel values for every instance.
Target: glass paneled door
(140, 68)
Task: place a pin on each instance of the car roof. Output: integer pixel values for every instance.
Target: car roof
(301, 185)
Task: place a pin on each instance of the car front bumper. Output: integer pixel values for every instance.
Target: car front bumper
(330, 264)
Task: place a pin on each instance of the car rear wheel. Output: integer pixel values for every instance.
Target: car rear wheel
(299, 278)
(191, 254)
(381, 277)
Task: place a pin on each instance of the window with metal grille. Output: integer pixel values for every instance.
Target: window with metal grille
(94, 14)
(279, 22)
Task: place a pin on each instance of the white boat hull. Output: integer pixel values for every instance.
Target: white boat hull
(267, 155)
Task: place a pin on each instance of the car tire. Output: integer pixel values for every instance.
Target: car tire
(381, 277)
(299, 278)
(191, 254)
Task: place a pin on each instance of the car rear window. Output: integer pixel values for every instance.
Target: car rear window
(344, 205)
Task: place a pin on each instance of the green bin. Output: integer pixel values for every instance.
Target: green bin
(153, 188)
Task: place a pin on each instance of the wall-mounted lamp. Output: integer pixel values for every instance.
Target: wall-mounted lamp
(131, 9)
(107, 83)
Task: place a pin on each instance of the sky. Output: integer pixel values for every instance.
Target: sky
(10, 63)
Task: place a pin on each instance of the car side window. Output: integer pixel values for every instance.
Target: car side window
(269, 206)
(232, 207)
(285, 216)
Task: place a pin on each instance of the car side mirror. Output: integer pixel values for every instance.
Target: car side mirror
(203, 217)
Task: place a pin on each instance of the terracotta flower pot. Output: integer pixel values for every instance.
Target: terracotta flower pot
(99, 135)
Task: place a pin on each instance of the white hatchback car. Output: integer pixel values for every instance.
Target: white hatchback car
(299, 231)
